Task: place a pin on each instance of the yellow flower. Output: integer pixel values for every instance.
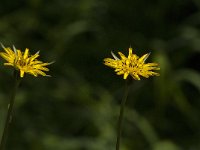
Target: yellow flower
(132, 65)
(24, 62)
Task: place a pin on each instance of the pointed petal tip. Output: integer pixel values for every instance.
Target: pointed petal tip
(15, 50)
(148, 54)
(2, 45)
(52, 62)
(144, 57)
(48, 76)
(114, 56)
(37, 53)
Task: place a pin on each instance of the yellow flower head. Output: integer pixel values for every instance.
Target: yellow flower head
(24, 62)
(132, 65)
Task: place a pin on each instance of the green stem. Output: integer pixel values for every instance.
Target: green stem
(10, 110)
(119, 129)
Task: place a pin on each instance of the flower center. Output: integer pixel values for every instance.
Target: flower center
(20, 62)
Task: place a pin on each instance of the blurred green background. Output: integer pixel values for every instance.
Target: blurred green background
(77, 108)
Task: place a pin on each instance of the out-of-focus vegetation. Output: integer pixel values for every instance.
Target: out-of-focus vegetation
(77, 108)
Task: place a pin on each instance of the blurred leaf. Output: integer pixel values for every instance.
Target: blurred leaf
(190, 76)
(166, 145)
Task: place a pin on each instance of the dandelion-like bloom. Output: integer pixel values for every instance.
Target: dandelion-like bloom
(132, 65)
(24, 62)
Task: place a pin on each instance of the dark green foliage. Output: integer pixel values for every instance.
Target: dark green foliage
(77, 108)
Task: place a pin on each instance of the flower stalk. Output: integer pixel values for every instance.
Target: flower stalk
(8, 121)
(121, 114)
(22, 62)
(134, 67)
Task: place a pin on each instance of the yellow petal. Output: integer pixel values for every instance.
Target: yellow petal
(126, 75)
(26, 53)
(135, 76)
(122, 55)
(143, 58)
(130, 52)
(21, 73)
